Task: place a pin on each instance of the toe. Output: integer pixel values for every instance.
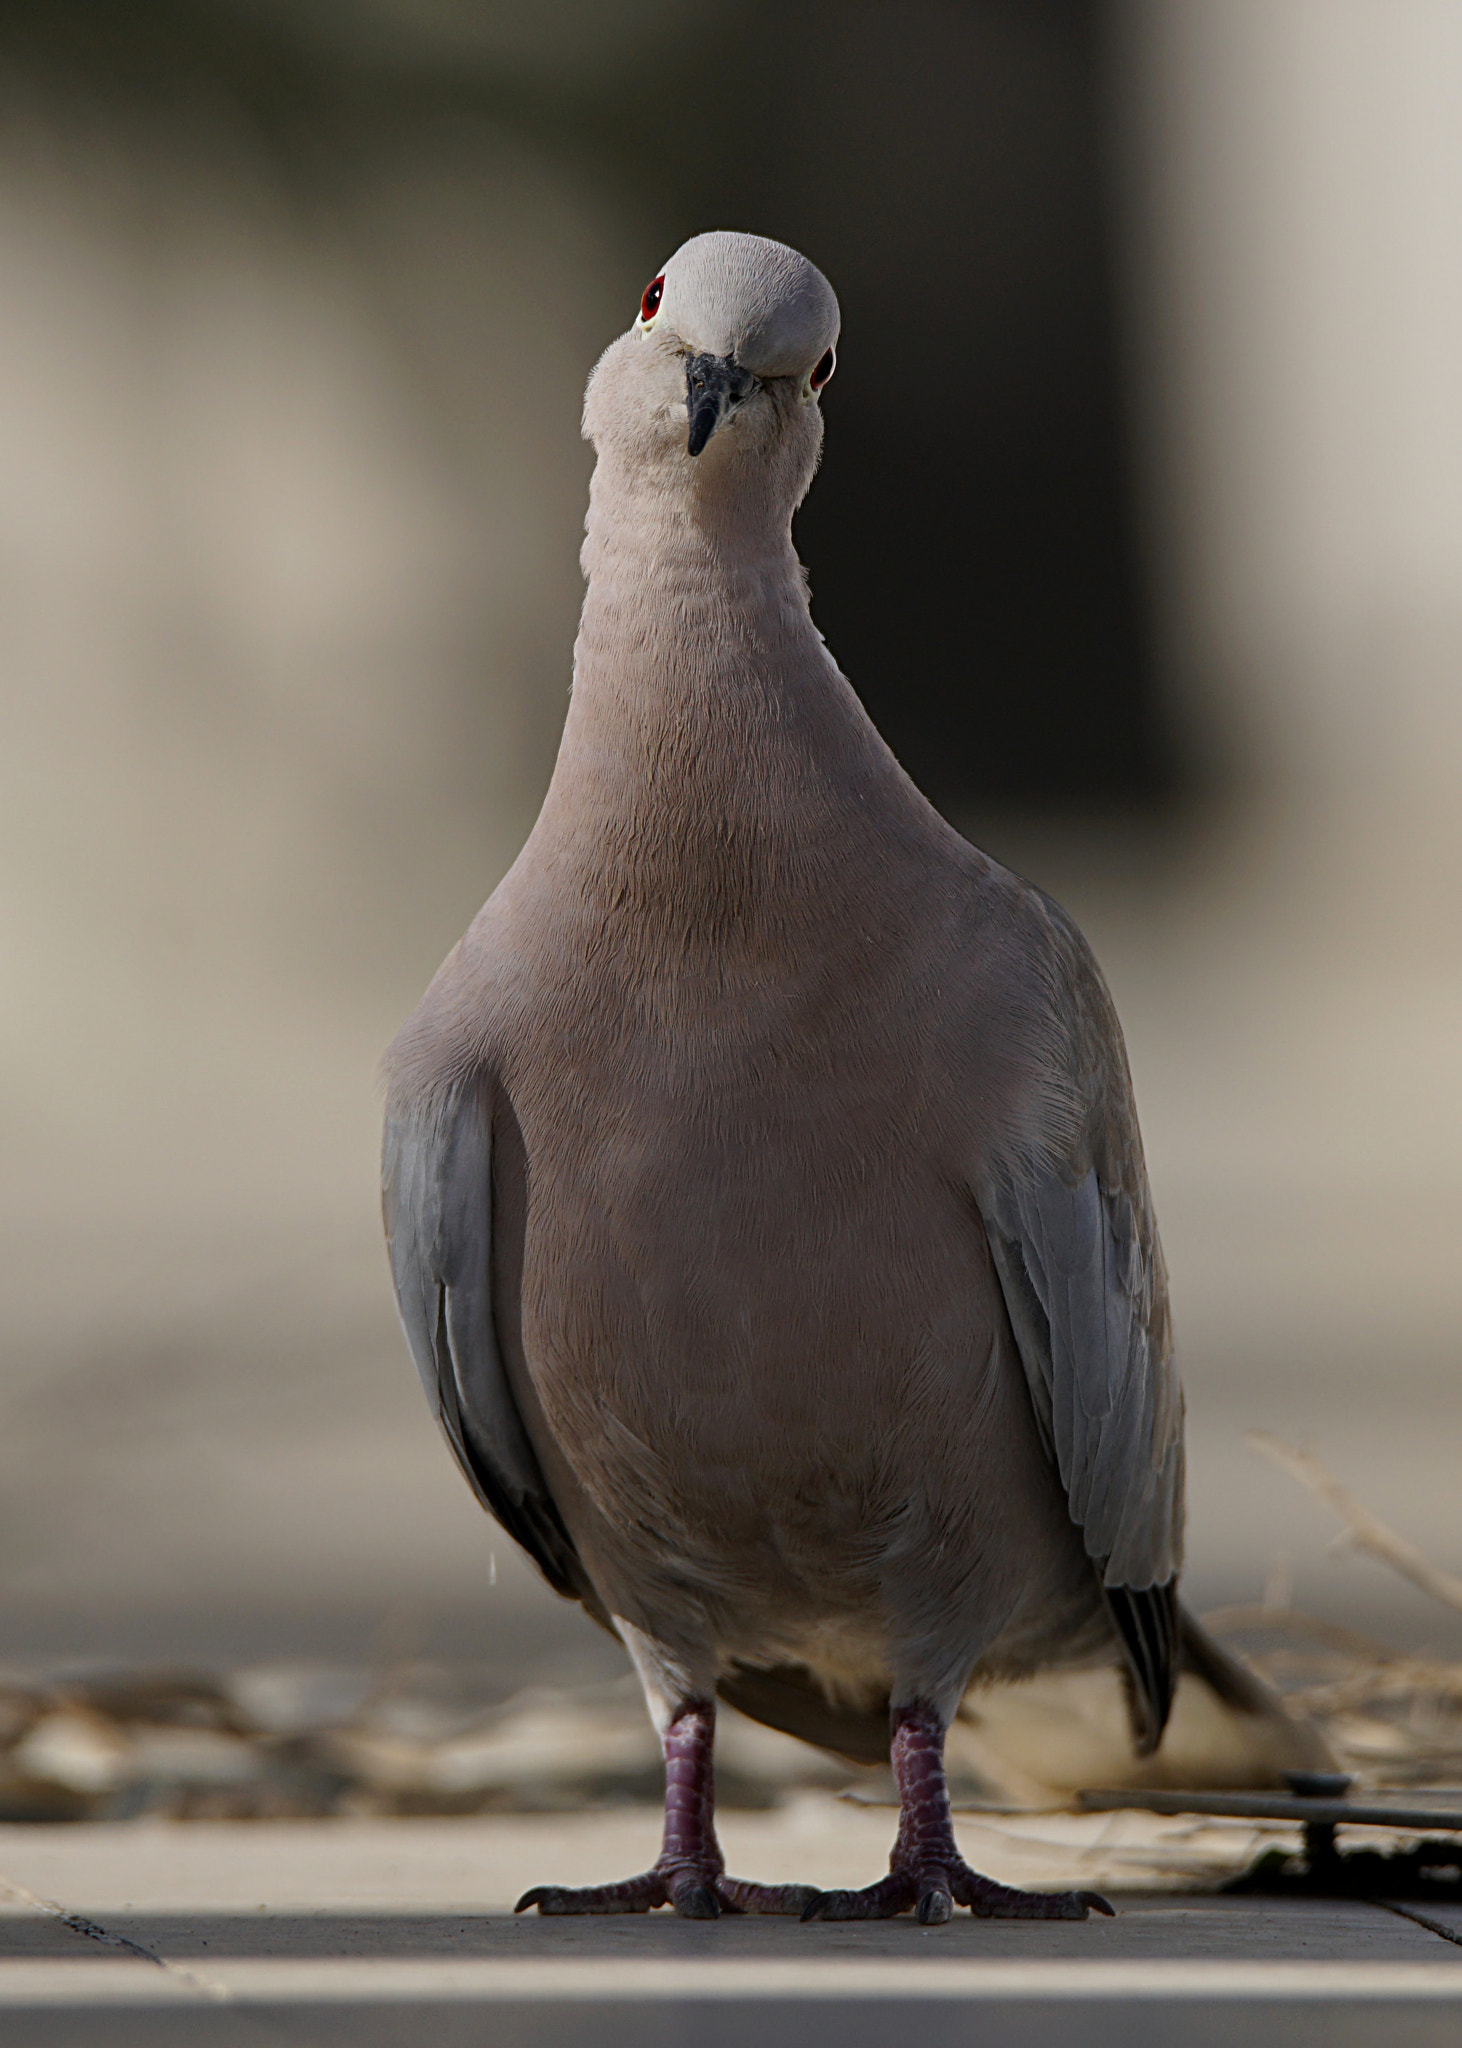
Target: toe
(554, 1901)
(636, 1895)
(881, 1901)
(1062, 1906)
(837, 1906)
(988, 1900)
(791, 1900)
(1030, 1906)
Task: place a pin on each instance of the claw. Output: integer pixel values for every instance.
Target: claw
(935, 1908)
(696, 1902)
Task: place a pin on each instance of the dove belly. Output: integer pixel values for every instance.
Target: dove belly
(783, 1409)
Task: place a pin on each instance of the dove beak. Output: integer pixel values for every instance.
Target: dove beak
(714, 387)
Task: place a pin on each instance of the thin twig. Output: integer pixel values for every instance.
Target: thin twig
(1366, 1531)
(1226, 1621)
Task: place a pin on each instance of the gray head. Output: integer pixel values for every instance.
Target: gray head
(735, 340)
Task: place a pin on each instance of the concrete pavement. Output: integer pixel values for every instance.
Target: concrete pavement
(379, 1933)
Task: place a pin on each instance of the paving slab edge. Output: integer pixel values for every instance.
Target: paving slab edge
(276, 1981)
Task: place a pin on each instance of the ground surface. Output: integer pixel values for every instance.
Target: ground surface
(379, 1933)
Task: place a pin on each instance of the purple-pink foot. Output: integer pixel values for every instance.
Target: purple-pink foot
(689, 1874)
(926, 1870)
(935, 1891)
(696, 1894)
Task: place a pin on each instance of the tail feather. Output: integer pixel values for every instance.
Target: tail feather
(1148, 1624)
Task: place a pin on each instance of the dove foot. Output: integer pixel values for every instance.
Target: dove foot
(696, 1894)
(934, 1894)
(690, 1873)
(926, 1871)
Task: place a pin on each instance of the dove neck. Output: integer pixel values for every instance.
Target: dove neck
(709, 729)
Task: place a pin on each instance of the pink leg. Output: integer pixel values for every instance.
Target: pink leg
(926, 1870)
(690, 1872)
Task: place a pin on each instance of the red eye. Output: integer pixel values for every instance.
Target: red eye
(826, 365)
(650, 303)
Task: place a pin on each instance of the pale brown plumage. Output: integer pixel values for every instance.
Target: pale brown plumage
(766, 1200)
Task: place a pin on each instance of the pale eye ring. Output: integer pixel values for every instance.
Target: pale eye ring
(827, 362)
(654, 292)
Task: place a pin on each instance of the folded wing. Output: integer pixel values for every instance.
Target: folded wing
(436, 1185)
(1071, 1228)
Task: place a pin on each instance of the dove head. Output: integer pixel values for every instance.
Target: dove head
(714, 390)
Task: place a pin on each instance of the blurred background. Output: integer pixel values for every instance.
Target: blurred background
(1140, 530)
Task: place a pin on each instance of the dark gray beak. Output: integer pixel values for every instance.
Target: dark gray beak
(714, 387)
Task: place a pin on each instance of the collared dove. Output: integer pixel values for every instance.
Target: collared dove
(766, 1204)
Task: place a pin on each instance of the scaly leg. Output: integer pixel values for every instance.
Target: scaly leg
(926, 1870)
(690, 1872)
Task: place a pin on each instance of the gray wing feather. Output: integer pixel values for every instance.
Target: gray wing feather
(436, 1185)
(1075, 1244)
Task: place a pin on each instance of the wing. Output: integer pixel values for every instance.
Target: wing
(1075, 1243)
(436, 1186)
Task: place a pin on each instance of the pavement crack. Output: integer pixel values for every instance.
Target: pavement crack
(209, 1987)
(89, 1928)
(1420, 1920)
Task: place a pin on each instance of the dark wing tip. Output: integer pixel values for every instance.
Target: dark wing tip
(1147, 1622)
